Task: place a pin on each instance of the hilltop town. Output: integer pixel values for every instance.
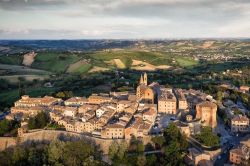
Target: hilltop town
(120, 115)
(143, 113)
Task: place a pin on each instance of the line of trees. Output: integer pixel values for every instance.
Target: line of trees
(57, 153)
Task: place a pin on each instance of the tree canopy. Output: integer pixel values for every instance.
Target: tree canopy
(7, 126)
(57, 153)
(207, 137)
(39, 121)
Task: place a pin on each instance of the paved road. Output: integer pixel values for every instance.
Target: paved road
(163, 122)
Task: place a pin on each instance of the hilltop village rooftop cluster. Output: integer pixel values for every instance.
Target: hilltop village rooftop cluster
(120, 115)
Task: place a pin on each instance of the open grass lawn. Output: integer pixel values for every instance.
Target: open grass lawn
(12, 60)
(186, 62)
(55, 62)
(83, 69)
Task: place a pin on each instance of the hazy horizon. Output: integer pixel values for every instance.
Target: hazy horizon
(124, 19)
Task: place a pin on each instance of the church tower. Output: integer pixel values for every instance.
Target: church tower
(141, 80)
(145, 79)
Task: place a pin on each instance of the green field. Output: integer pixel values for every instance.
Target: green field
(13, 59)
(154, 58)
(55, 62)
(83, 69)
(186, 62)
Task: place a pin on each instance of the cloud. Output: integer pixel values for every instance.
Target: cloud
(124, 18)
(29, 4)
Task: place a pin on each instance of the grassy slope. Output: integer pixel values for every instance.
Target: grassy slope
(55, 62)
(59, 62)
(154, 58)
(13, 59)
(83, 69)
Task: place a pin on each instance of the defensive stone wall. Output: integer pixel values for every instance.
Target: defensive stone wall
(50, 135)
(7, 142)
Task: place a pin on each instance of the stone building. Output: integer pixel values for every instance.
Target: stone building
(139, 128)
(144, 92)
(76, 101)
(149, 114)
(46, 101)
(195, 157)
(113, 131)
(240, 155)
(206, 112)
(182, 103)
(244, 89)
(166, 101)
(98, 99)
(70, 111)
(240, 124)
(122, 104)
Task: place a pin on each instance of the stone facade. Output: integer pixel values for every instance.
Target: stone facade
(145, 93)
(239, 155)
(240, 124)
(167, 102)
(206, 111)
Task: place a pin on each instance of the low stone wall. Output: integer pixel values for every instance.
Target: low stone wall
(50, 135)
(7, 142)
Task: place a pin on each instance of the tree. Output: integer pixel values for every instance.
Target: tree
(55, 152)
(151, 160)
(141, 160)
(39, 121)
(158, 140)
(207, 137)
(219, 96)
(122, 150)
(113, 149)
(173, 153)
(117, 152)
(6, 126)
(140, 147)
(175, 145)
(19, 156)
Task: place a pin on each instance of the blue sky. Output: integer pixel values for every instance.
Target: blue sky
(123, 19)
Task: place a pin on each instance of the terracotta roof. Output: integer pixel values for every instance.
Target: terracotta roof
(124, 102)
(240, 118)
(207, 104)
(77, 99)
(166, 94)
(115, 125)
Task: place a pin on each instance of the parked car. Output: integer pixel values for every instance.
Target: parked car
(172, 118)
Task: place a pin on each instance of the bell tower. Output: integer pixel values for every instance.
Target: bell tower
(141, 80)
(145, 79)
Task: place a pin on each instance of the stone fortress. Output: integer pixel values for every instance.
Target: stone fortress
(120, 115)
